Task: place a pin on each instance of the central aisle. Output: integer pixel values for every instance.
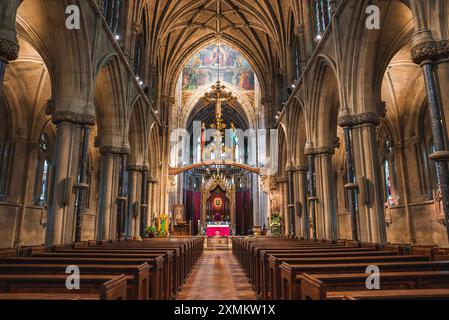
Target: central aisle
(217, 276)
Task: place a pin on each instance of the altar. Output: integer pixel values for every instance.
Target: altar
(221, 230)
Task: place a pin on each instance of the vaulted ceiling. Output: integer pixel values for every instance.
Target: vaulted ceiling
(261, 30)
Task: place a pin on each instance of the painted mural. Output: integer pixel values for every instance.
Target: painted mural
(204, 67)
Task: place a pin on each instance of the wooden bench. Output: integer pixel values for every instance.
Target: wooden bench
(154, 293)
(106, 287)
(279, 278)
(324, 286)
(415, 294)
(138, 284)
(168, 270)
(278, 257)
(360, 268)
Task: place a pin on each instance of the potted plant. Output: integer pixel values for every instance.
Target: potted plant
(151, 231)
(275, 225)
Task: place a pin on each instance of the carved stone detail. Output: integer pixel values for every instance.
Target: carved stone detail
(9, 50)
(137, 168)
(433, 51)
(324, 150)
(72, 117)
(359, 119)
(115, 150)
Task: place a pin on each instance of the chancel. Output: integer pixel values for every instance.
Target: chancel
(224, 149)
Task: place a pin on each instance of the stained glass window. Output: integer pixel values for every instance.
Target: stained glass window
(322, 10)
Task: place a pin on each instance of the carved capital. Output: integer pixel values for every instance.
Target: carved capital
(72, 117)
(115, 150)
(137, 168)
(9, 50)
(432, 51)
(324, 150)
(136, 27)
(359, 119)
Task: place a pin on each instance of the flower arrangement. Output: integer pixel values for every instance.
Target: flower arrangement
(151, 231)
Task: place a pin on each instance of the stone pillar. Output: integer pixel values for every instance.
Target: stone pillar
(152, 201)
(312, 199)
(143, 201)
(82, 187)
(346, 122)
(106, 196)
(61, 216)
(367, 165)
(256, 209)
(9, 45)
(122, 221)
(132, 214)
(302, 196)
(326, 193)
(428, 53)
(291, 201)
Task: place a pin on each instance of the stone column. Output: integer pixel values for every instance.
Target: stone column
(326, 192)
(60, 226)
(143, 201)
(302, 194)
(122, 222)
(367, 165)
(152, 201)
(9, 45)
(291, 201)
(312, 199)
(106, 196)
(346, 122)
(132, 214)
(82, 187)
(256, 209)
(428, 53)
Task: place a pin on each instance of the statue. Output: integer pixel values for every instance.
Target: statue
(163, 225)
(387, 212)
(203, 139)
(438, 204)
(234, 140)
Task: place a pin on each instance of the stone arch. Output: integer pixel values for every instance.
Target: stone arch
(110, 105)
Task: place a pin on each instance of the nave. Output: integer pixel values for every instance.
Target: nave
(217, 276)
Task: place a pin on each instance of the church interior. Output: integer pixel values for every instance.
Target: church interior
(224, 149)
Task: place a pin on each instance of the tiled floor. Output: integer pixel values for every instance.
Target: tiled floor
(217, 276)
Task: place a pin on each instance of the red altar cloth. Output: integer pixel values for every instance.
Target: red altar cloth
(222, 231)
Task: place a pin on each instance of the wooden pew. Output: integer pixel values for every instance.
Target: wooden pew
(324, 286)
(169, 268)
(415, 294)
(156, 261)
(106, 287)
(274, 273)
(154, 283)
(265, 270)
(358, 268)
(138, 284)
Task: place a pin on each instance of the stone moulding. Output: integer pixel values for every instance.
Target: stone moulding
(115, 150)
(433, 51)
(359, 119)
(9, 50)
(73, 117)
(319, 151)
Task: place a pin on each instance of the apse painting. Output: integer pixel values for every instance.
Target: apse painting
(212, 61)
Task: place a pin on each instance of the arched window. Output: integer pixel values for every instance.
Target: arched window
(322, 12)
(388, 171)
(42, 177)
(112, 14)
